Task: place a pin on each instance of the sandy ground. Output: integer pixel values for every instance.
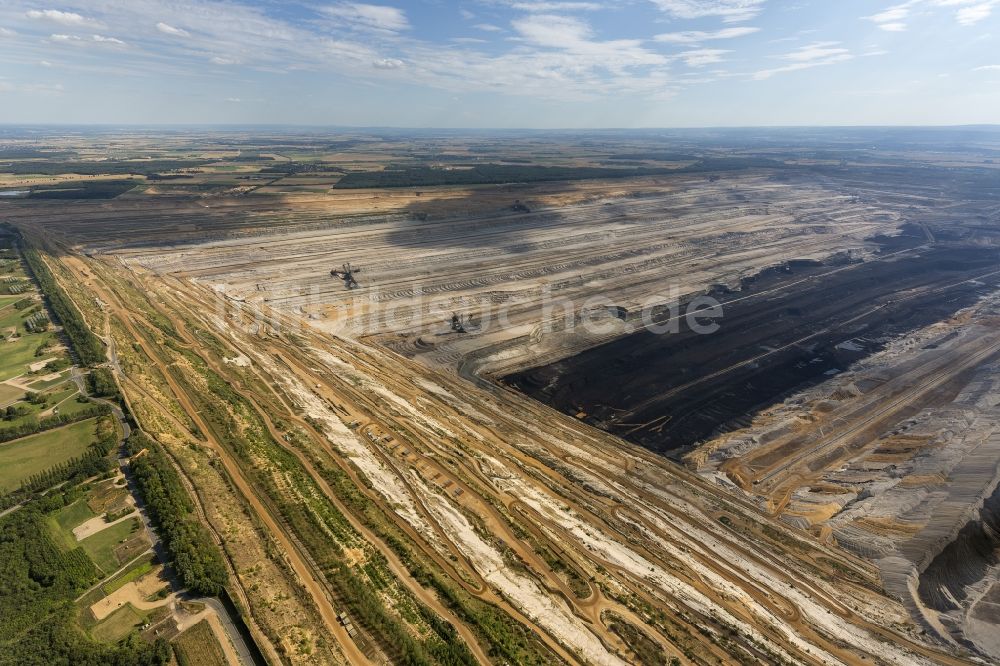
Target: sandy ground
(135, 593)
(99, 524)
(38, 365)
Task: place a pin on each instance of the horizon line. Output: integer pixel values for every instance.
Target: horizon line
(6, 124)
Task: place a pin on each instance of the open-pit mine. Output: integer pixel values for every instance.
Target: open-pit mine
(739, 403)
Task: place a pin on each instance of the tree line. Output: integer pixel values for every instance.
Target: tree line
(196, 558)
(88, 347)
(102, 383)
(94, 461)
(31, 425)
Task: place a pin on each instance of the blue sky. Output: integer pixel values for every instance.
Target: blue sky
(501, 63)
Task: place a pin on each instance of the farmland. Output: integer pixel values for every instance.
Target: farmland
(22, 348)
(32, 455)
(101, 547)
(198, 647)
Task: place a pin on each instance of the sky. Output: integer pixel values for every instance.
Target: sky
(501, 63)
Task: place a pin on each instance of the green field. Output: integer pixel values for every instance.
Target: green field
(24, 457)
(118, 625)
(62, 522)
(43, 385)
(101, 546)
(9, 393)
(63, 397)
(136, 570)
(17, 354)
(198, 647)
(75, 514)
(68, 403)
(11, 317)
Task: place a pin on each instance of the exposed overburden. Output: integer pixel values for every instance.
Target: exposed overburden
(374, 504)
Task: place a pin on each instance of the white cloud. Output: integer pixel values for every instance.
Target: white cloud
(7, 32)
(730, 11)
(542, 6)
(488, 27)
(233, 100)
(369, 17)
(702, 57)
(224, 32)
(893, 19)
(975, 13)
(892, 14)
(818, 54)
(32, 88)
(987, 68)
(61, 17)
(101, 39)
(576, 37)
(168, 29)
(553, 31)
(970, 12)
(817, 51)
(698, 36)
(76, 40)
(558, 59)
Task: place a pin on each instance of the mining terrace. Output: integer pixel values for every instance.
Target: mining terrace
(849, 391)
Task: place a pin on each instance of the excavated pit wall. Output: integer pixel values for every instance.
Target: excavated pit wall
(668, 392)
(962, 579)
